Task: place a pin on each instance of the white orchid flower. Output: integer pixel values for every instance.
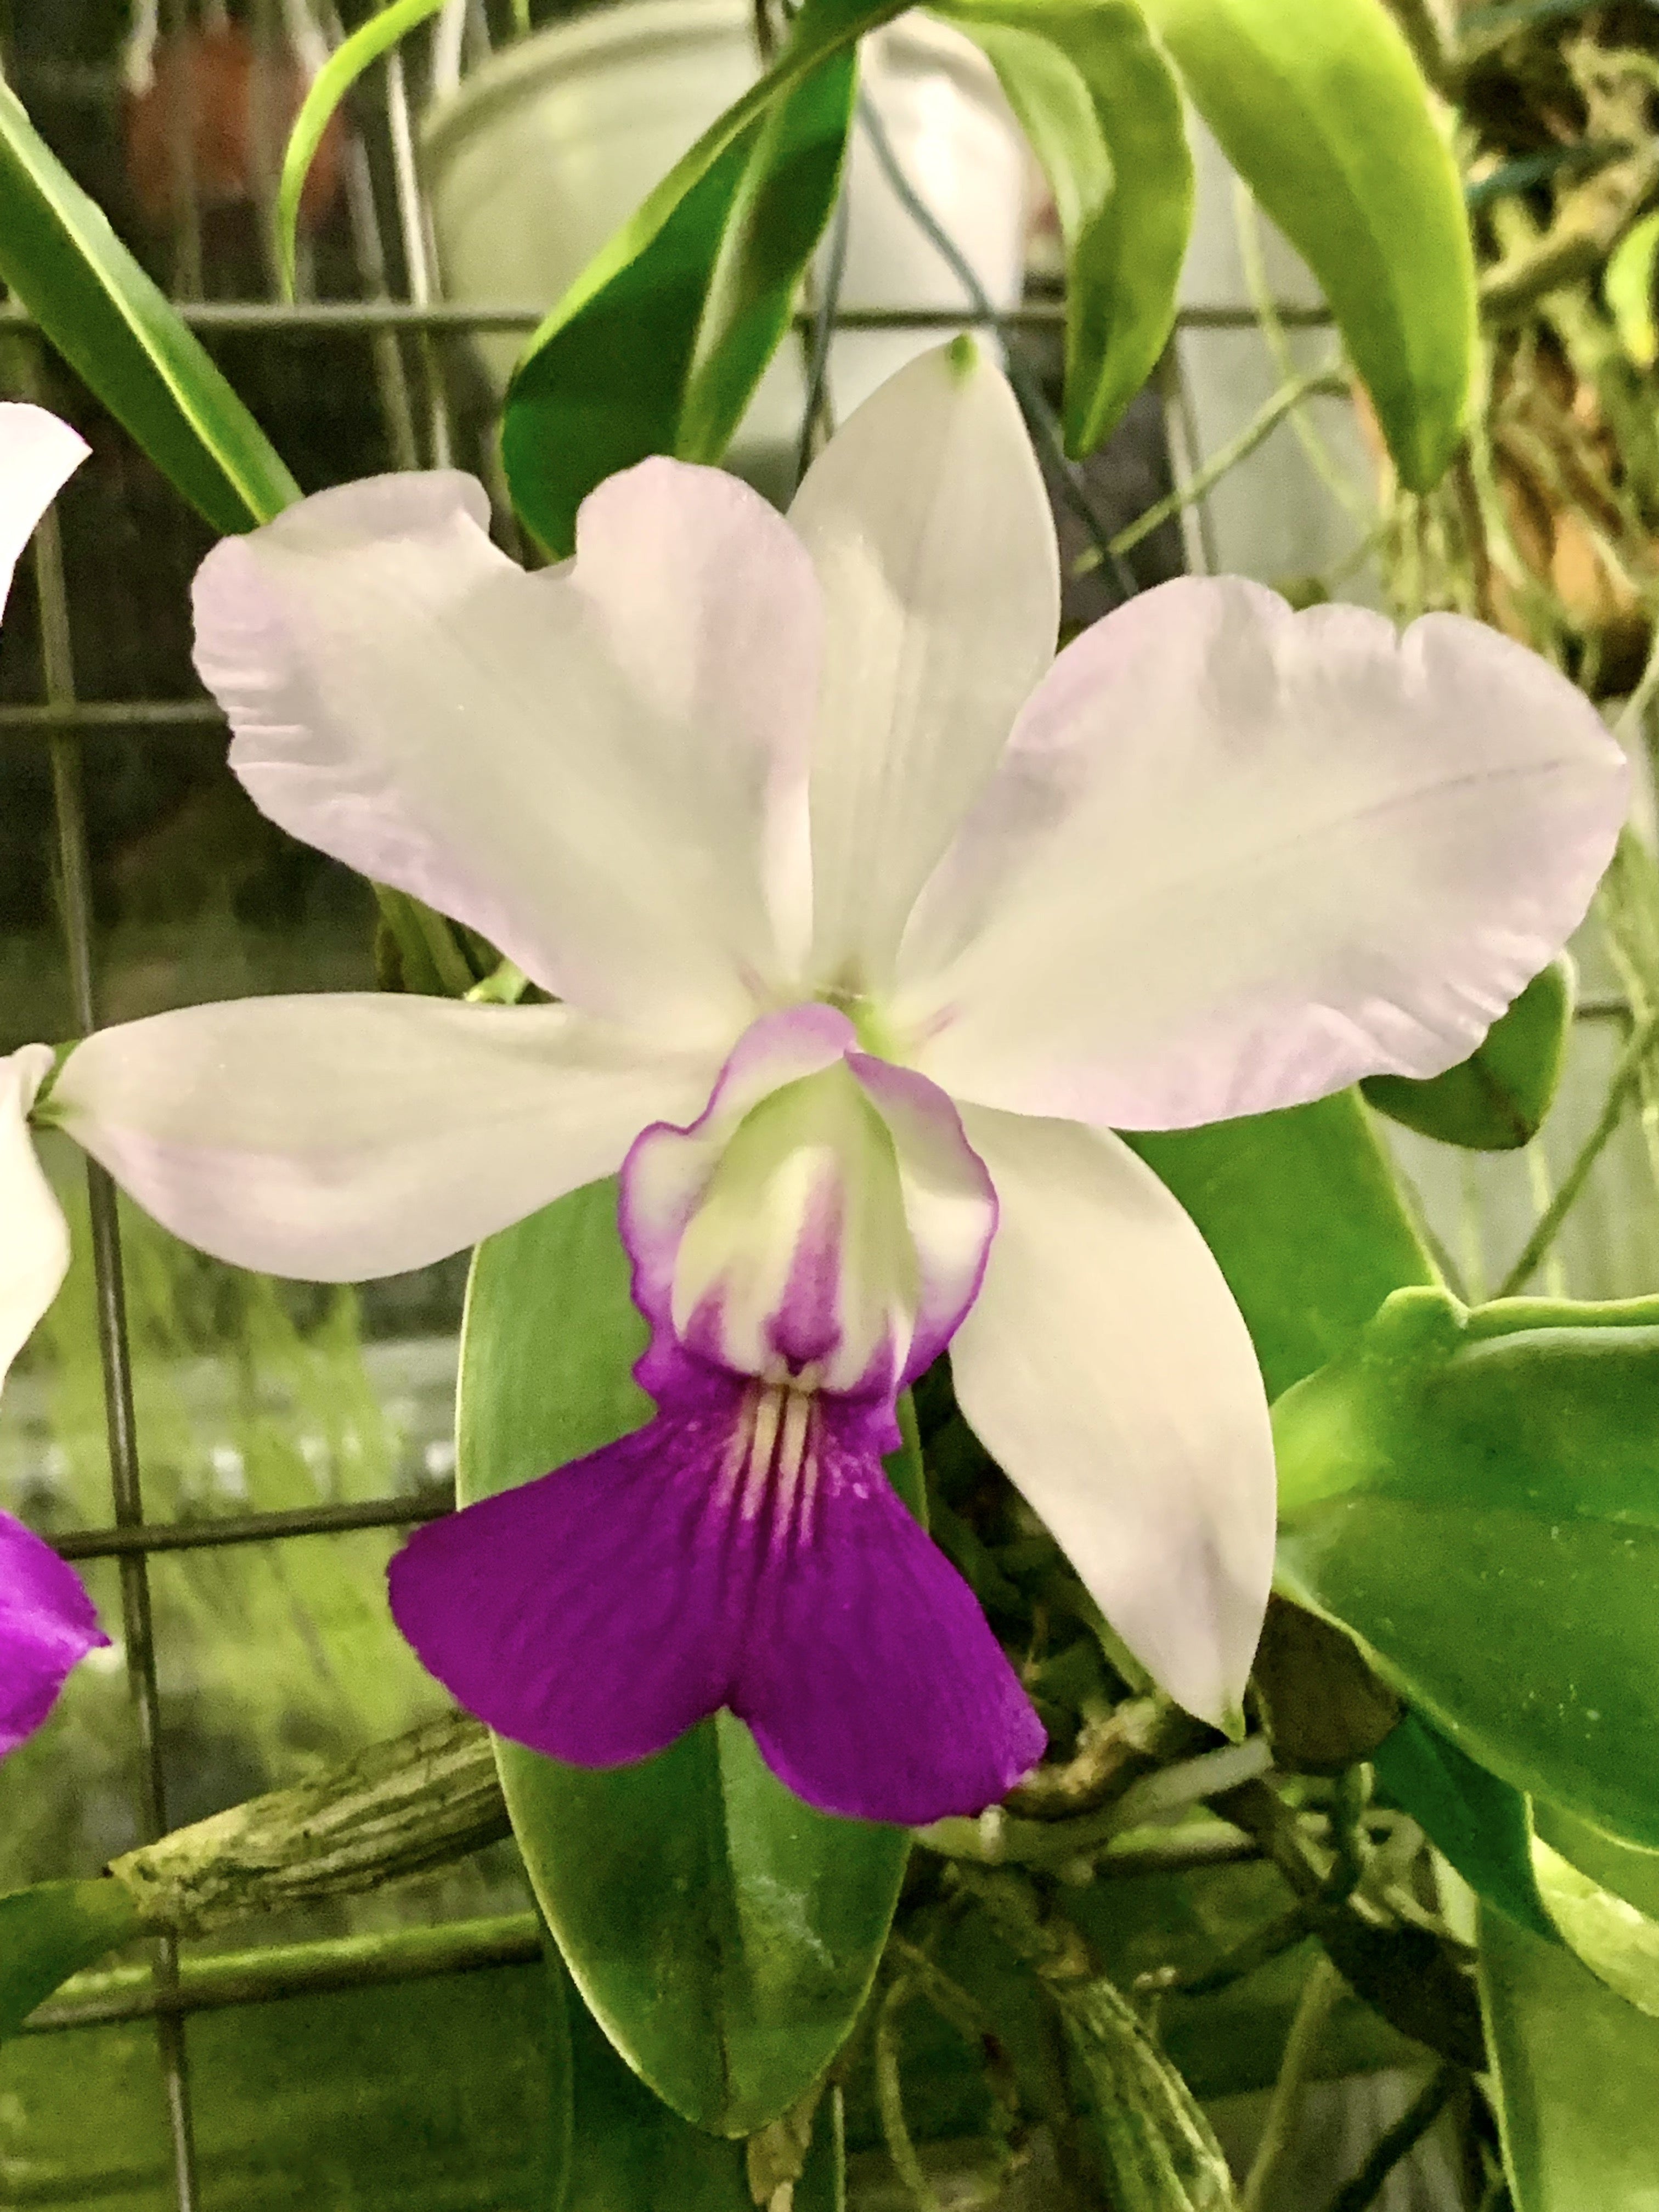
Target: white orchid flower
(869, 921)
(46, 1619)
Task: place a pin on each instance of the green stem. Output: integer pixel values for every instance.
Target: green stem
(1319, 1994)
(1625, 1076)
(890, 2100)
(1314, 383)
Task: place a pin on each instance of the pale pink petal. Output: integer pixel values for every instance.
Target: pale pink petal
(336, 1138)
(38, 455)
(35, 1245)
(1105, 1366)
(599, 766)
(1238, 858)
(926, 520)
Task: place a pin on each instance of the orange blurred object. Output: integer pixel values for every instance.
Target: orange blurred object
(215, 119)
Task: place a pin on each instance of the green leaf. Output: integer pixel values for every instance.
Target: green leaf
(1320, 108)
(1472, 1495)
(1617, 1942)
(1303, 1214)
(1479, 1823)
(1577, 2072)
(64, 262)
(628, 2150)
(1626, 1869)
(723, 1933)
(1102, 111)
(1496, 1100)
(51, 1931)
(328, 87)
(659, 345)
(1627, 288)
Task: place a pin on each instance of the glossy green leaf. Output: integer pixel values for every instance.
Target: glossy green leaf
(1101, 109)
(62, 260)
(658, 346)
(1626, 1869)
(367, 44)
(627, 2149)
(1628, 287)
(1577, 2074)
(1473, 1495)
(1496, 1100)
(723, 1933)
(51, 1931)
(659, 343)
(1479, 1823)
(1302, 1212)
(1617, 1942)
(1320, 108)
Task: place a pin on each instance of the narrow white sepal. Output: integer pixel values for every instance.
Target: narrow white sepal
(34, 1244)
(1108, 1370)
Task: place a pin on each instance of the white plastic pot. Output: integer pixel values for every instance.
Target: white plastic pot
(550, 146)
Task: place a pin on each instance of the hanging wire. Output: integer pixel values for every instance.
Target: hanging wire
(1039, 419)
(815, 422)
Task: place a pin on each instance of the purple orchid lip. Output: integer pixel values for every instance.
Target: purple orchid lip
(743, 1549)
(47, 1625)
(809, 1242)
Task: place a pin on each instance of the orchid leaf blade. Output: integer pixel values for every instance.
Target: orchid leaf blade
(128, 344)
(1577, 2073)
(1101, 108)
(1320, 109)
(627, 2147)
(1472, 1495)
(723, 1934)
(1496, 1100)
(51, 1931)
(366, 44)
(659, 343)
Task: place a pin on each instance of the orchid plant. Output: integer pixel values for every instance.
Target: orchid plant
(919, 1010)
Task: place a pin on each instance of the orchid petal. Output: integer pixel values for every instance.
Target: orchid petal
(716, 1559)
(34, 1244)
(1105, 1366)
(669, 1170)
(823, 1217)
(38, 456)
(340, 1137)
(46, 1624)
(927, 521)
(1238, 858)
(950, 1205)
(588, 764)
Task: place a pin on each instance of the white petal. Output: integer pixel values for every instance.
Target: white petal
(583, 764)
(336, 1138)
(34, 1246)
(38, 455)
(929, 526)
(1107, 1369)
(1238, 858)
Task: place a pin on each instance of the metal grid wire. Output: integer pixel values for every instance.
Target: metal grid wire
(61, 721)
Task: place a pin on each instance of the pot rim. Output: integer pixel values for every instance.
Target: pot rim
(611, 35)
